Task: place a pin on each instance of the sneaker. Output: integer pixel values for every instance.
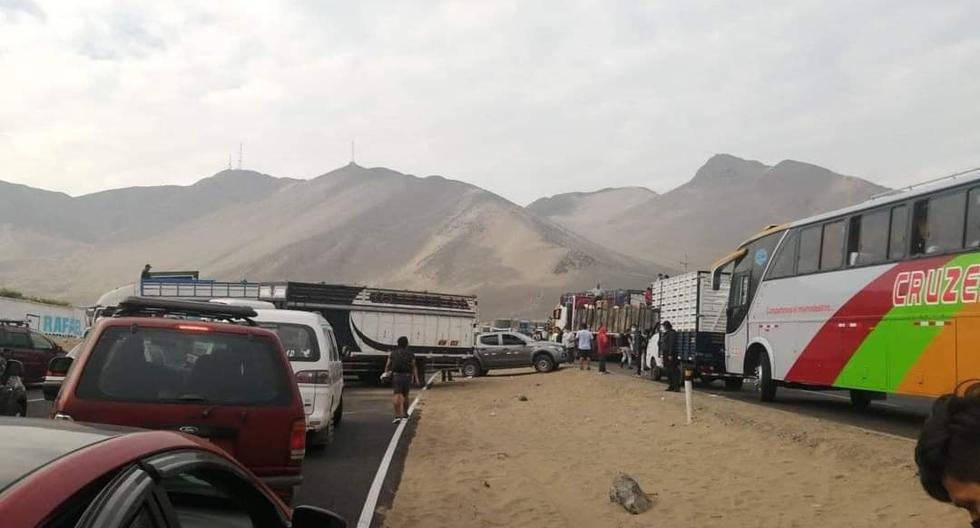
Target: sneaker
(397, 419)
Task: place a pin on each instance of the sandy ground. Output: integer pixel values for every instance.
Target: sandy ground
(483, 457)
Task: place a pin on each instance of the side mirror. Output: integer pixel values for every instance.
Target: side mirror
(14, 368)
(57, 370)
(312, 517)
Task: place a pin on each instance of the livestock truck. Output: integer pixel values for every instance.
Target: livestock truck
(367, 322)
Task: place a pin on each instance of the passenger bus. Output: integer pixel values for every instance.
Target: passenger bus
(882, 297)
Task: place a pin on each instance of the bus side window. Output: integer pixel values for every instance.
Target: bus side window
(868, 239)
(832, 252)
(973, 219)
(937, 224)
(784, 263)
(809, 255)
(898, 239)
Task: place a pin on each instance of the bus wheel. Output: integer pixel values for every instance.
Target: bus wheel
(860, 399)
(764, 381)
(733, 384)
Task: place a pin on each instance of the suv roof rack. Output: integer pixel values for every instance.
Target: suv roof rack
(13, 322)
(141, 306)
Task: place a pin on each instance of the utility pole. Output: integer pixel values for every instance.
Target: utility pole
(241, 149)
(684, 262)
(229, 161)
(352, 160)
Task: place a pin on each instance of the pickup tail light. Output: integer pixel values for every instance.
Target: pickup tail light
(297, 441)
(313, 376)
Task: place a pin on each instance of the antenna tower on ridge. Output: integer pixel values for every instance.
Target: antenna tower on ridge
(241, 148)
(352, 162)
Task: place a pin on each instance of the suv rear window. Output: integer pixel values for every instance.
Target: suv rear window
(298, 340)
(184, 366)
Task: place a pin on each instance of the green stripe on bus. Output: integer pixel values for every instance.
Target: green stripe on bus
(885, 357)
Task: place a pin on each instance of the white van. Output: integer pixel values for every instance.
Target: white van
(312, 349)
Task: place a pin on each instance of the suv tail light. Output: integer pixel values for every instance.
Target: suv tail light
(313, 376)
(297, 440)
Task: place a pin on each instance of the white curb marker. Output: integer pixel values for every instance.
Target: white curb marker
(367, 513)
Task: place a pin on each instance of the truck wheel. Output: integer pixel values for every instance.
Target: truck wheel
(338, 415)
(322, 438)
(763, 372)
(544, 363)
(733, 384)
(860, 399)
(470, 368)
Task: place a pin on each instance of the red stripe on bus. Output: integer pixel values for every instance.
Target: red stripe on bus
(831, 348)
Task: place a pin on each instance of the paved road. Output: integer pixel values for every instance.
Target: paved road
(898, 415)
(338, 477)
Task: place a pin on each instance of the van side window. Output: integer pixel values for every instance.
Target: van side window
(784, 263)
(973, 218)
(809, 255)
(937, 224)
(867, 240)
(331, 344)
(898, 239)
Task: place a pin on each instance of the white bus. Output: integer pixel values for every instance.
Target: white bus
(877, 298)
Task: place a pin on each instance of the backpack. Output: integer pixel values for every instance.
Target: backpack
(401, 361)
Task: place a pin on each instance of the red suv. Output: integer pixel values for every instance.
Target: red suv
(199, 368)
(18, 341)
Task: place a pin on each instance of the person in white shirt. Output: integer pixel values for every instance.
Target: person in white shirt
(568, 341)
(584, 340)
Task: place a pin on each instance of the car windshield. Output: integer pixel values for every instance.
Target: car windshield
(298, 340)
(184, 366)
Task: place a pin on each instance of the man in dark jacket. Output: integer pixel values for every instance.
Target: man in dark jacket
(668, 351)
(403, 371)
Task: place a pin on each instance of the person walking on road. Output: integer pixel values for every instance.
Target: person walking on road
(948, 453)
(584, 344)
(403, 371)
(668, 352)
(568, 341)
(602, 346)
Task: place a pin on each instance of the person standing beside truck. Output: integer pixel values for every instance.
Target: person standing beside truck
(668, 352)
(583, 340)
(402, 369)
(602, 346)
(568, 341)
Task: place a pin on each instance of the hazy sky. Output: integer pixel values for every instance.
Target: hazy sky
(523, 98)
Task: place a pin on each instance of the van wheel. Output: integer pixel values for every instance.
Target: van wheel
(764, 381)
(658, 373)
(322, 438)
(544, 363)
(470, 368)
(338, 415)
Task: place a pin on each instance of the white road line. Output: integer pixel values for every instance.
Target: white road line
(35, 400)
(367, 513)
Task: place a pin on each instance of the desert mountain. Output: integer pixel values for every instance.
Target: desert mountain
(351, 225)
(728, 200)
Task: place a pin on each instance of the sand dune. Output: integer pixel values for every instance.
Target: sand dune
(482, 457)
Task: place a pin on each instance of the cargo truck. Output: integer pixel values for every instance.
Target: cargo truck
(697, 313)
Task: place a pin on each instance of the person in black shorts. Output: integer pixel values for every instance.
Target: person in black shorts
(402, 369)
